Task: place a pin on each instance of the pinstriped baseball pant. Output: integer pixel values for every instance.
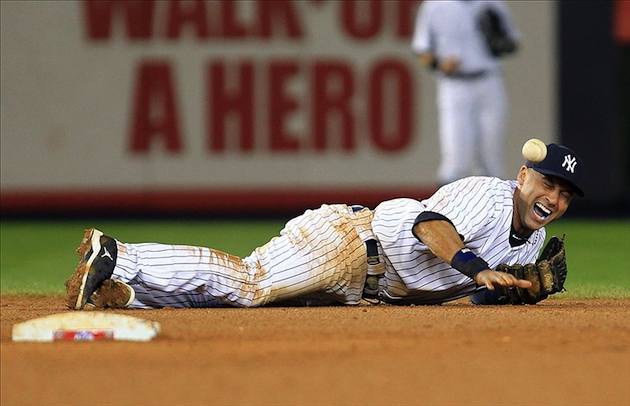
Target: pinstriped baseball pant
(319, 256)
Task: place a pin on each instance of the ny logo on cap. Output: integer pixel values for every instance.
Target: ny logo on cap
(569, 162)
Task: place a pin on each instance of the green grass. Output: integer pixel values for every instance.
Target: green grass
(37, 257)
(598, 257)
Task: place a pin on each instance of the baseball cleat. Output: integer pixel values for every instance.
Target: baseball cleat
(113, 294)
(97, 253)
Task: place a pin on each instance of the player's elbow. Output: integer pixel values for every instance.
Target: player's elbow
(425, 231)
(422, 231)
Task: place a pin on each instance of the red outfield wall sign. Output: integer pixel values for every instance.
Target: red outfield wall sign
(212, 106)
(622, 21)
(229, 86)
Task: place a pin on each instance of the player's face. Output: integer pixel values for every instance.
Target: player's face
(541, 200)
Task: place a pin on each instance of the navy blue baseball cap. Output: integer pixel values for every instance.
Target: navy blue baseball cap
(564, 163)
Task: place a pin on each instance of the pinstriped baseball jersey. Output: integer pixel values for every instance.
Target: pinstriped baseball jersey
(319, 256)
(480, 208)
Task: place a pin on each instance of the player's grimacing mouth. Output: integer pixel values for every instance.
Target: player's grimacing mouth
(541, 211)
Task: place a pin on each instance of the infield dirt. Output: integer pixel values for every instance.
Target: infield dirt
(559, 352)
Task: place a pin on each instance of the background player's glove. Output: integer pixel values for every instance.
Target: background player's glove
(547, 275)
(493, 31)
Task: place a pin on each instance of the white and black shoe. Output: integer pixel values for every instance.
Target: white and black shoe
(97, 253)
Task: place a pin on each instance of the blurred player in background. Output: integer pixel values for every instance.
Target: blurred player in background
(462, 42)
(405, 251)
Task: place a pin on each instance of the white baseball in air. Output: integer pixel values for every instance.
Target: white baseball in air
(534, 150)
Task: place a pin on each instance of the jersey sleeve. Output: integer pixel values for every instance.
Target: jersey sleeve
(421, 41)
(393, 220)
(437, 30)
(470, 204)
(448, 34)
(508, 23)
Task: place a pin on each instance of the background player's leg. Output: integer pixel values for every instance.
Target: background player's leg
(457, 130)
(492, 119)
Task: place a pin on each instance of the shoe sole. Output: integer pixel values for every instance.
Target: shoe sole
(96, 303)
(132, 293)
(95, 241)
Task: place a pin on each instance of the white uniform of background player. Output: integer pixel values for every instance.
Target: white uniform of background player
(321, 256)
(471, 100)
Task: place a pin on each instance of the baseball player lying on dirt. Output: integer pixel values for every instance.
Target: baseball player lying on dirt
(478, 236)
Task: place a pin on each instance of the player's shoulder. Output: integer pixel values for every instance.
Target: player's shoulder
(493, 191)
(436, 7)
(484, 184)
(400, 203)
(431, 4)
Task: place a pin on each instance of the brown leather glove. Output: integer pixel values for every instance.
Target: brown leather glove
(547, 275)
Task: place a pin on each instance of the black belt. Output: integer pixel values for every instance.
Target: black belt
(467, 75)
(376, 269)
(357, 207)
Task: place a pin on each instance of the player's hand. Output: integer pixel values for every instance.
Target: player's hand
(491, 278)
(428, 60)
(449, 65)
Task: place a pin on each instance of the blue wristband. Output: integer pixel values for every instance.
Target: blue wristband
(466, 262)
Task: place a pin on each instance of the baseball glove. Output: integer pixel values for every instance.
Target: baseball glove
(493, 31)
(547, 275)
